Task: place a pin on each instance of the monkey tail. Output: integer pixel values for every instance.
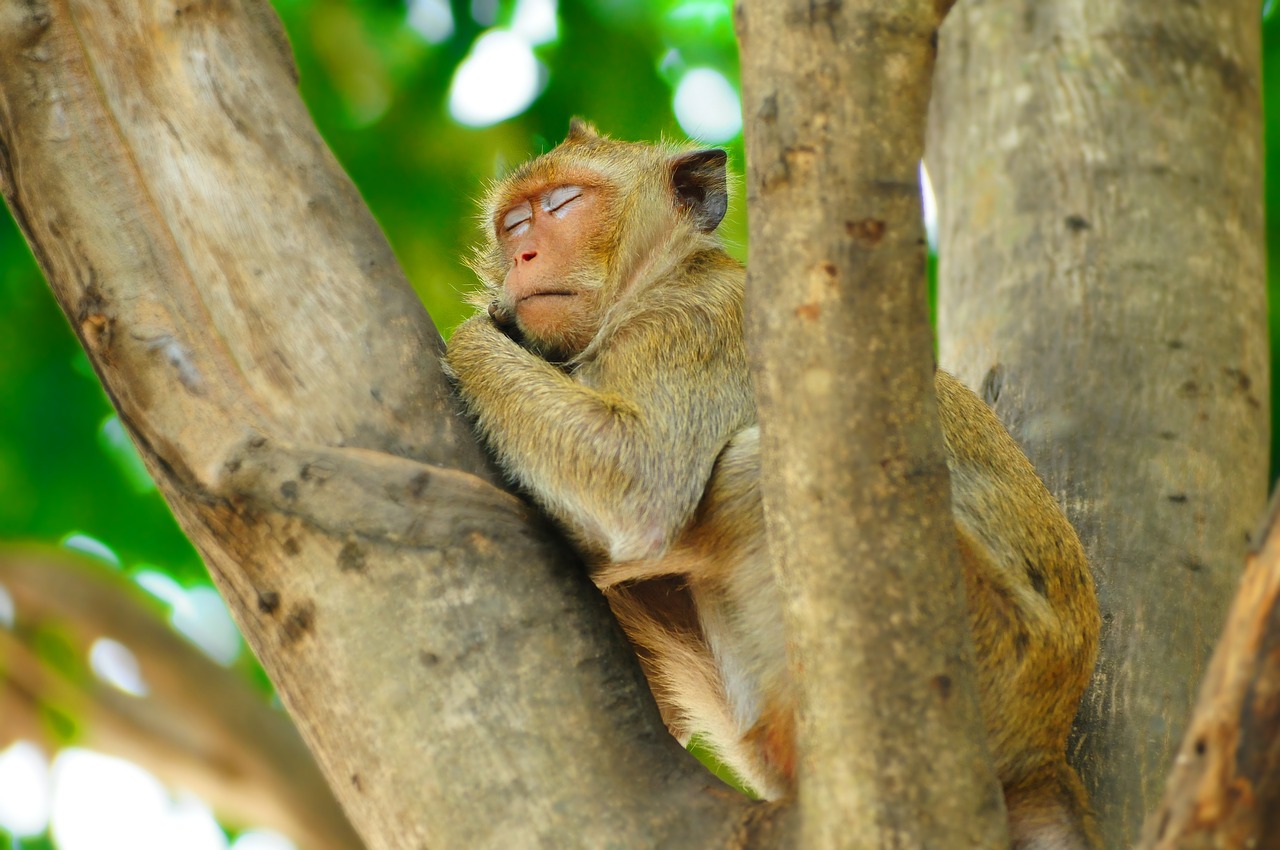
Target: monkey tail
(1049, 810)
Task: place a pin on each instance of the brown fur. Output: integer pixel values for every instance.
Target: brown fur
(640, 440)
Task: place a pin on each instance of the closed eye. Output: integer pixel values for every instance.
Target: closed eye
(557, 201)
(516, 217)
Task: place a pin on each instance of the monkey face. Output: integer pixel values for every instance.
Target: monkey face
(582, 228)
(550, 235)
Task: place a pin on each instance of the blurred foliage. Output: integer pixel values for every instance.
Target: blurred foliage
(379, 91)
(43, 842)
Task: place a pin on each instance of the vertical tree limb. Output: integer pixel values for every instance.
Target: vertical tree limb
(854, 480)
(1098, 168)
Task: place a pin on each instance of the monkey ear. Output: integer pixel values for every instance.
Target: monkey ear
(701, 186)
(581, 131)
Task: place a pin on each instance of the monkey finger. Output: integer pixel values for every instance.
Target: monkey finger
(501, 316)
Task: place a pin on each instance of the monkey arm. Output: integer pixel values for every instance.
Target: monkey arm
(621, 464)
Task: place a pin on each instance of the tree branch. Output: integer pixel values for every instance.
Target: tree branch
(1103, 284)
(854, 480)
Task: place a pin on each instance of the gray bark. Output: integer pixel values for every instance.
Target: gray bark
(1225, 787)
(854, 482)
(1098, 167)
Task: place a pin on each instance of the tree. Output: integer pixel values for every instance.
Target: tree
(280, 380)
(1116, 325)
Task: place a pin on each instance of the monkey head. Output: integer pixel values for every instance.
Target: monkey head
(571, 233)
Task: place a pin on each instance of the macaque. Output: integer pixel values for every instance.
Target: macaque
(607, 371)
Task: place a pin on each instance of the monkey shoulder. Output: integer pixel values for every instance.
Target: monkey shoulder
(673, 329)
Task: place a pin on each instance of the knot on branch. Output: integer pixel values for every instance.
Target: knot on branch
(365, 493)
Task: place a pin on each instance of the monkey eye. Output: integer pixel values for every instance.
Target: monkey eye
(517, 216)
(558, 199)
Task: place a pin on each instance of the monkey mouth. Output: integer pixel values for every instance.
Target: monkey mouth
(550, 293)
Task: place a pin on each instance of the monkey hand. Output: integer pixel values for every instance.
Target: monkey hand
(476, 348)
(505, 320)
(501, 314)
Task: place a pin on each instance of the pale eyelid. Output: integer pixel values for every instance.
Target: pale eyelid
(517, 216)
(558, 199)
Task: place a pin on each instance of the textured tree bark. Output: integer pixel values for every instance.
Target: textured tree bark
(198, 726)
(854, 480)
(1225, 787)
(458, 679)
(1098, 169)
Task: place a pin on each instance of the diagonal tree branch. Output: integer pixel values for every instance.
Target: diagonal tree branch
(458, 679)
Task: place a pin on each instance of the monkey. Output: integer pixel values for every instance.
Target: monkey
(606, 369)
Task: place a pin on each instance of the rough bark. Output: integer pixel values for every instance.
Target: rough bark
(854, 481)
(199, 726)
(458, 679)
(1225, 787)
(1099, 181)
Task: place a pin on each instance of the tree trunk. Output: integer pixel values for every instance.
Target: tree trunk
(1098, 167)
(855, 485)
(459, 680)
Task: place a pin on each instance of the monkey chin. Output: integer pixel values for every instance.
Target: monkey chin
(553, 319)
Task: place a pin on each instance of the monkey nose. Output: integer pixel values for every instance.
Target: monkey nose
(528, 255)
